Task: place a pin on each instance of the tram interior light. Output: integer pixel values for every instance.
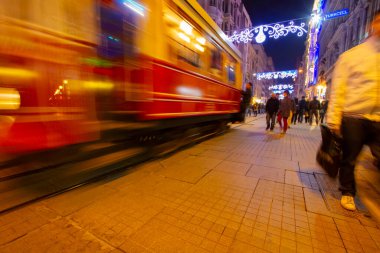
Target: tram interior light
(201, 40)
(184, 37)
(199, 47)
(184, 26)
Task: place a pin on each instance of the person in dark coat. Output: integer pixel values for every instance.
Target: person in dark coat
(286, 106)
(314, 107)
(271, 108)
(247, 97)
(302, 109)
(323, 110)
(296, 111)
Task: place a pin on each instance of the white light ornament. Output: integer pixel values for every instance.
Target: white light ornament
(273, 31)
(277, 75)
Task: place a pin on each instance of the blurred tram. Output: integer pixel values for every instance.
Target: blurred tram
(71, 70)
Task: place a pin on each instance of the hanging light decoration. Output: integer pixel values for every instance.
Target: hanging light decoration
(277, 75)
(260, 33)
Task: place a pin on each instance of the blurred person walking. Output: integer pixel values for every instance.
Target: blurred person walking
(314, 107)
(323, 110)
(286, 106)
(247, 97)
(354, 107)
(296, 111)
(271, 108)
(292, 111)
(302, 109)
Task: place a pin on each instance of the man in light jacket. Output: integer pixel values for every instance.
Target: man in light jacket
(354, 107)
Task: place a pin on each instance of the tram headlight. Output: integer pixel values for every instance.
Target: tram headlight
(9, 99)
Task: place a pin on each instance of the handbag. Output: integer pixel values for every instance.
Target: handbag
(329, 154)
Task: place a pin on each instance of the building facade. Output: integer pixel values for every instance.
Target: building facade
(339, 35)
(230, 16)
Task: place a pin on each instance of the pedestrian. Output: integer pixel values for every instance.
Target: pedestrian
(296, 111)
(292, 111)
(307, 116)
(271, 108)
(314, 107)
(354, 107)
(286, 106)
(307, 112)
(323, 110)
(302, 109)
(255, 108)
(247, 96)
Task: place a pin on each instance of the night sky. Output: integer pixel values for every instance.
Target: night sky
(284, 51)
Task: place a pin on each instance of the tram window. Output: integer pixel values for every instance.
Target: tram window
(187, 44)
(118, 32)
(231, 74)
(216, 59)
(187, 55)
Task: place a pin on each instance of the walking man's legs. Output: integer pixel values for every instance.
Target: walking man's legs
(300, 117)
(285, 119)
(268, 120)
(354, 134)
(273, 119)
(316, 116)
(375, 142)
(311, 117)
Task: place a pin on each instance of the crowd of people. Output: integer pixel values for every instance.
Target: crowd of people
(292, 111)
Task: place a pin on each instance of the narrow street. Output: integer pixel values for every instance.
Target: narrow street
(245, 191)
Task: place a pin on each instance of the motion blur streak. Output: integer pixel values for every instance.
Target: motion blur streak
(78, 72)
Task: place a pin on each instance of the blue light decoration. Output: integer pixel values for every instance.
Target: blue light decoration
(312, 56)
(275, 31)
(277, 75)
(135, 6)
(337, 14)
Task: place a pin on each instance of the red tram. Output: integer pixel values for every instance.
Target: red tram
(70, 69)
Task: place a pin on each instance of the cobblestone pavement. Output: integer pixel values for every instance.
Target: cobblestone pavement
(245, 191)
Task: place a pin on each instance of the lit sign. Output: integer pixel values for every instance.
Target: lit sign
(337, 14)
(280, 88)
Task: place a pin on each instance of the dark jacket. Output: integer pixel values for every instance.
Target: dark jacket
(247, 96)
(314, 105)
(286, 106)
(302, 105)
(324, 107)
(272, 105)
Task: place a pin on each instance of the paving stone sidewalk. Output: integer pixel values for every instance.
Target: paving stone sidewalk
(245, 191)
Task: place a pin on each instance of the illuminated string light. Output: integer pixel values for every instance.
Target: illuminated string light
(260, 33)
(277, 75)
(312, 56)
